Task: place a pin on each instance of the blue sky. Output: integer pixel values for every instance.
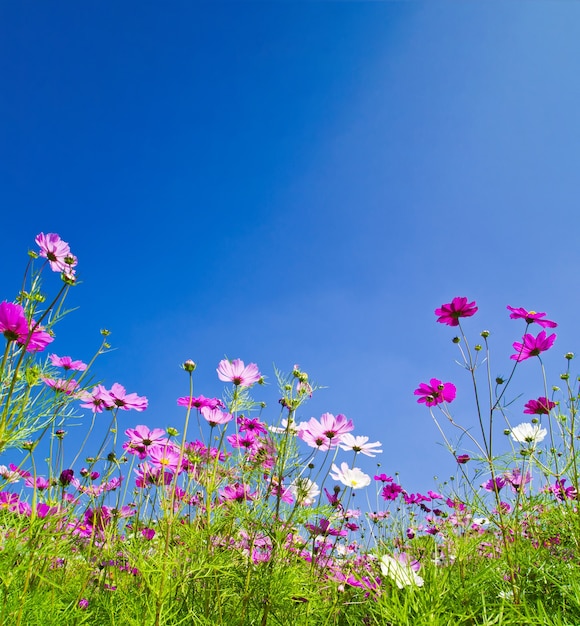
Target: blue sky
(298, 182)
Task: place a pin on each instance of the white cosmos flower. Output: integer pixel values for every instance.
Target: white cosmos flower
(401, 573)
(304, 490)
(354, 477)
(359, 444)
(528, 433)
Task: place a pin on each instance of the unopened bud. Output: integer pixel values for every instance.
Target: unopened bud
(189, 365)
(564, 376)
(478, 347)
(569, 355)
(105, 332)
(499, 380)
(456, 340)
(172, 432)
(485, 334)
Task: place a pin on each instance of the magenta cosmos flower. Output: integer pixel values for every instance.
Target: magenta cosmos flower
(435, 392)
(127, 401)
(236, 372)
(200, 402)
(142, 438)
(13, 324)
(532, 346)
(541, 406)
(67, 363)
(530, 317)
(450, 313)
(38, 339)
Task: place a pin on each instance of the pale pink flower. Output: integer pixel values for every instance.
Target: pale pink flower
(215, 416)
(69, 387)
(164, 456)
(200, 402)
(236, 372)
(326, 433)
(141, 439)
(55, 250)
(98, 400)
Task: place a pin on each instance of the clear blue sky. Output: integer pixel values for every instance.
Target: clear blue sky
(298, 182)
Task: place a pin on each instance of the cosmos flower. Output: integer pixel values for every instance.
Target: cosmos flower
(55, 250)
(98, 400)
(353, 477)
(541, 406)
(530, 317)
(450, 313)
(13, 324)
(401, 572)
(359, 444)
(127, 401)
(326, 433)
(304, 490)
(38, 339)
(532, 346)
(200, 402)
(236, 372)
(141, 439)
(216, 416)
(67, 363)
(528, 433)
(435, 392)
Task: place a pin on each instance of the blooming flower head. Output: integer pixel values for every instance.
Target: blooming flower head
(37, 340)
(57, 252)
(141, 439)
(354, 477)
(127, 401)
(237, 492)
(216, 416)
(236, 372)
(67, 363)
(200, 402)
(359, 444)
(530, 317)
(528, 433)
(435, 392)
(98, 400)
(463, 458)
(13, 323)
(69, 387)
(391, 491)
(541, 406)
(401, 572)
(326, 433)
(450, 313)
(165, 456)
(304, 490)
(532, 346)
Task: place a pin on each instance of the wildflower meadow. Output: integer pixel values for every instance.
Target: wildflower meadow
(246, 515)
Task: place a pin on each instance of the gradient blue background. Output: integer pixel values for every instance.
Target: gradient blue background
(298, 182)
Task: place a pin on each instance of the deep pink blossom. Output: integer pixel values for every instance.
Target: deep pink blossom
(236, 492)
(532, 346)
(200, 402)
(463, 458)
(435, 392)
(450, 313)
(141, 439)
(247, 441)
(530, 317)
(148, 475)
(236, 372)
(391, 491)
(494, 484)
(13, 323)
(127, 401)
(67, 363)
(541, 406)
(254, 425)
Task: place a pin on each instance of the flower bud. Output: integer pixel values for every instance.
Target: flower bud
(485, 334)
(564, 376)
(456, 340)
(499, 380)
(507, 431)
(478, 347)
(189, 365)
(569, 355)
(172, 432)
(105, 332)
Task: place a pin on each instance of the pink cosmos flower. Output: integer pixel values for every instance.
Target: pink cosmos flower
(236, 372)
(38, 340)
(164, 456)
(98, 400)
(67, 363)
(326, 433)
(148, 475)
(254, 425)
(13, 323)
(200, 402)
(450, 313)
(494, 484)
(141, 439)
(247, 441)
(215, 416)
(69, 387)
(435, 392)
(57, 251)
(391, 491)
(127, 401)
(463, 458)
(541, 406)
(530, 317)
(236, 492)
(532, 346)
